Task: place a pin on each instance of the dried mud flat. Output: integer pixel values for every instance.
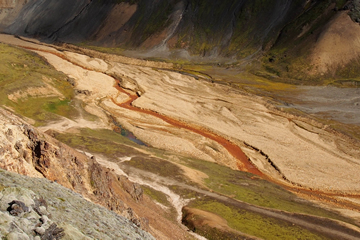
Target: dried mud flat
(340, 104)
(288, 149)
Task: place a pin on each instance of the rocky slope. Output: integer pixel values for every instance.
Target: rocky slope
(284, 35)
(35, 208)
(27, 151)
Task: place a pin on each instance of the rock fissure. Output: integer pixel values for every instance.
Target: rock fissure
(52, 35)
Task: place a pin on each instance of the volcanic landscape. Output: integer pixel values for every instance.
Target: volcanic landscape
(215, 157)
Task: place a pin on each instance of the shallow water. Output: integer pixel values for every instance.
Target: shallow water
(126, 133)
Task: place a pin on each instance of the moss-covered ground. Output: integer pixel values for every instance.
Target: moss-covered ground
(245, 187)
(21, 70)
(250, 223)
(106, 142)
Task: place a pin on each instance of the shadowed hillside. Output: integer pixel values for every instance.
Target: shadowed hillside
(282, 35)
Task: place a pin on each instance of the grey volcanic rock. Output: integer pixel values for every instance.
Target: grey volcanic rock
(46, 157)
(70, 216)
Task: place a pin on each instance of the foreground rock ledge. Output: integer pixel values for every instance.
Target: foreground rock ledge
(61, 209)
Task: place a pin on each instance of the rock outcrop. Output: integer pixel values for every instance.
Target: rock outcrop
(26, 151)
(36, 208)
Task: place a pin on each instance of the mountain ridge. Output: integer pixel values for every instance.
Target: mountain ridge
(281, 34)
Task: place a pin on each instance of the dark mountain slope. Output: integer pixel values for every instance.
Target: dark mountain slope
(284, 31)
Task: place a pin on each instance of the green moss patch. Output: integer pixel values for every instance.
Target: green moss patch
(101, 141)
(21, 70)
(251, 223)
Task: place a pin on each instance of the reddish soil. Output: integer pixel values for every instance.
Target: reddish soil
(243, 162)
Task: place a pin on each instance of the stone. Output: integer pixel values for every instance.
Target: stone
(85, 92)
(53, 232)
(71, 81)
(9, 134)
(40, 230)
(17, 236)
(43, 211)
(18, 146)
(15, 193)
(17, 208)
(44, 219)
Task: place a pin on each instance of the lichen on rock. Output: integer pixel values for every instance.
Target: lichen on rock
(33, 208)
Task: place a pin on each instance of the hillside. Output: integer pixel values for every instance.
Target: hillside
(27, 151)
(278, 37)
(191, 147)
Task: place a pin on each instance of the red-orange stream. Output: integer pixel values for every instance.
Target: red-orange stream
(243, 162)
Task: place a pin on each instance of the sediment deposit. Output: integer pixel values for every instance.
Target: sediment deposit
(280, 145)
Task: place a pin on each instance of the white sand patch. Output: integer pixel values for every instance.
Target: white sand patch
(90, 63)
(125, 159)
(99, 84)
(66, 124)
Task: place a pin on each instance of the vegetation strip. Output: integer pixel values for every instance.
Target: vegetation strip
(331, 228)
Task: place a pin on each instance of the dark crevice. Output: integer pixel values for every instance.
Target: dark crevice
(52, 35)
(272, 164)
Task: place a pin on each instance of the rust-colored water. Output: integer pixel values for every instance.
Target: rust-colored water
(243, 162)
